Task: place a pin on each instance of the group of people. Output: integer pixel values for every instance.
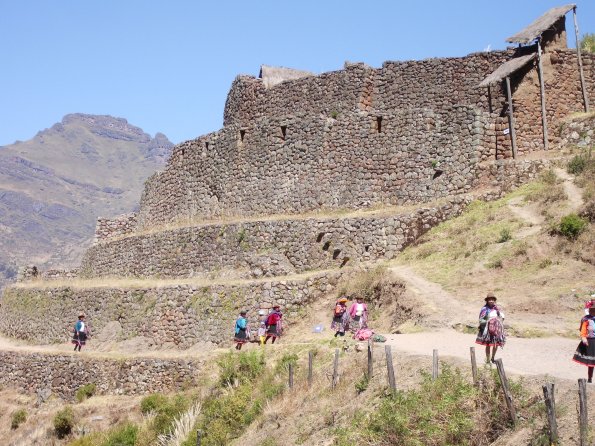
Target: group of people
(491, 333)
(353, 319)
(271, 327)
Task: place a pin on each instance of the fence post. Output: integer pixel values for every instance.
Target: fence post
(550, 405)
(435, 364)
(370, 360)
(582, 414)
(291, 375)
(506, 389)
(390, 368)
(198, 437)
(310, 364)
(474, 367)
(336, 369)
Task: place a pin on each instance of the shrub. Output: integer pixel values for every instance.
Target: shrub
(17, 418)
(124, 435)
(571, 226)
(548, 177)
(505, 235)
(240, 368)
(545, 263)
(86, 391)
(286, 359)
(588, 211)
(64, 422)
(361, 385)
(495, 264)
(152, 403)
(576, 165)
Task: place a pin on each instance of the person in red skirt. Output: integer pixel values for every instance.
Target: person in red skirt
(491, 329)
(585, 352)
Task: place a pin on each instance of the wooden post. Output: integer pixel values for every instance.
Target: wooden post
(511, 117)
(474, 367)
(550, 405)
(582, 414)
(542, 91)
(198, 437)
(336, 369)
(291, 375)
(506, 389)
(390, 368)
(580, 62)
(310, 364)
(370, 360)
(435, 364)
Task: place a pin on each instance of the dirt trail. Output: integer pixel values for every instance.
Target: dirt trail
(575, 195)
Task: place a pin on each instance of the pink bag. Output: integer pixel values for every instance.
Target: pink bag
(363, 334)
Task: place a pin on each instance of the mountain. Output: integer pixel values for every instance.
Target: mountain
(55, 185)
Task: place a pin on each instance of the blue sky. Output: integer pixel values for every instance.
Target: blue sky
(167, 65)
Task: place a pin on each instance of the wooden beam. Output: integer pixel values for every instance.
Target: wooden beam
(542, 91)
(510, 117)
(580, 62)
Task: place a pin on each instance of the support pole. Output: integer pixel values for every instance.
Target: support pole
(583, 418)
(550, 405)
(580, 62)
(390, 368)
(370, 360)
(542, 91)
(435, 365)
(291, 375)
(336, 369)
(506, 390)
(474, 367)
(310, 367)
(511, 117)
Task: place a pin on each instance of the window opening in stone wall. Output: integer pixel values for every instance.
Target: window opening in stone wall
(326, 246)
(183, 152)
(283, 132)
(367, 248)
(437, 173)
(336, 253)
(242, 134)
(379, 124)
(344, 262)
(206, 145)
(319, 237)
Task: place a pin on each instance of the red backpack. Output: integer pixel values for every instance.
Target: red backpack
(273, 319)
(339, 309)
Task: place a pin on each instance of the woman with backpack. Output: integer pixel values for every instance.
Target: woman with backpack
(340, 317)
(274, 324)
(585, 352)
(81, 332)
(491, 329)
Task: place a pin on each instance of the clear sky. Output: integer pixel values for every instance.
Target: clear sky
(166, 66)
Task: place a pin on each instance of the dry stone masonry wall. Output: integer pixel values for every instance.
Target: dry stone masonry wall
(63, 375)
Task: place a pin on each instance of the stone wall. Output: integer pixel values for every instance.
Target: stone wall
(64, 374)
(169, 316)
(114, 227)
(295, 245)
(301, 163)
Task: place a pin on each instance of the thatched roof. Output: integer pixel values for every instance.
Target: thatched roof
(540, 25)
(506, 69)
(275, 75)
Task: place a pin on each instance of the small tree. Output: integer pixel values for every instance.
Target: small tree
(588, 43)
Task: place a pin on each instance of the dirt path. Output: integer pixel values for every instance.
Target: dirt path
(574, 193)
(538, 356)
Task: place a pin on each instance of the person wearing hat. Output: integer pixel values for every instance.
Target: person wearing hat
(340, 317)
(585, 352)
(274, 324)
(491, 329)
(358, 312)
(589, 304)
(81, 332)
(242, 330)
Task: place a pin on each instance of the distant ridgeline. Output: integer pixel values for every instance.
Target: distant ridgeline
(310, 175)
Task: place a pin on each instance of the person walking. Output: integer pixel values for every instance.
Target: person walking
(358, 312)
(242, 330)
(585, 352)
(274, 324)
(491, 329)
(80, 333)
(340, 317)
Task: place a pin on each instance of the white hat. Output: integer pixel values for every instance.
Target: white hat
(262, 312)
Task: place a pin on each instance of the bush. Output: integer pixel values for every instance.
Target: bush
(64, 422)
(588, 211)
(86, 391)
(240, 368)
(286, 359)
(505, 235)
(571, 226)
(124, 435)
(362, 384)
(17, 418)
(576, 165)
(152, 403)
(548, 177)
